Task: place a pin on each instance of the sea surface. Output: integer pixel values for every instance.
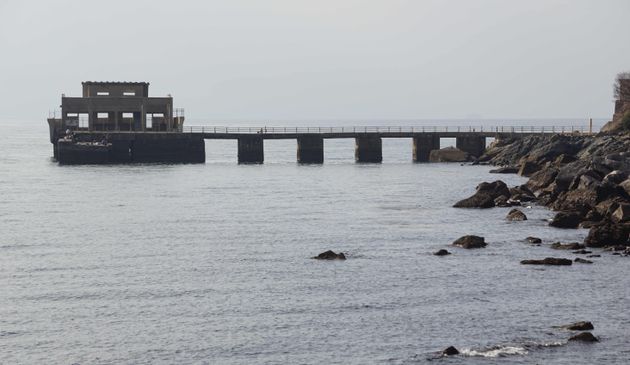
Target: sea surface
(211, 264)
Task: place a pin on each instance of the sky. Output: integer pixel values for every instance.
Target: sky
(321, 59)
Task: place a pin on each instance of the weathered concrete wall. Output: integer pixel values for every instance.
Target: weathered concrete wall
(423, 145)
(69, 153)
(168, 148)
(310, 149)
(251, 149)
(474, 145)
(368, 149)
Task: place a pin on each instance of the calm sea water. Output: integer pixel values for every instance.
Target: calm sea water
(209, 264)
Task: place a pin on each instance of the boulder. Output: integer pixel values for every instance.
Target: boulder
(607, 235)
(522, 193)
(564, 159)
(582, 261)
(533, 240)
(567, 246)
(626, 186)
(616, 177)
(566, 220)
(578, 326)
(505, 170)
(470, 241)
(502, 202)
(516, 215)
(441, 252)
(621, 214)
(528, 168)
(584, 337)
(448, 154)
(450, 351)
(548, 261)
(542, 179)
(330, 255)
(485, 195)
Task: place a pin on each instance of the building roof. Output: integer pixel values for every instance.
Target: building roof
(113, 83)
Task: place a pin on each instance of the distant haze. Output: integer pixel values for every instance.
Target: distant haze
(324, 59)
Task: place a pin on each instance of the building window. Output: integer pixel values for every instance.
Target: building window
(129, 93)
(102, 93)
(102, 115)
(127, 115)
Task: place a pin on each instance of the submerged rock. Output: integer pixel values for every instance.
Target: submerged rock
(579, 326)
(584, 337)
(485, 195)
(450, 351)
(441, 252)
(516, 215)
(583, 261)
(566, 220)
(505, 170)
(567, 246)
(330, 255)
(470, 242)
(548, 261)
(533, 240)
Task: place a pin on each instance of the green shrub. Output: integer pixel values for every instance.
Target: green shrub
(625, 121)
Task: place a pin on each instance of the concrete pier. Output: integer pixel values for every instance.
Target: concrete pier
(310, 149)
(251, 149)
(473, 144)
(368, 149)
(423, 145)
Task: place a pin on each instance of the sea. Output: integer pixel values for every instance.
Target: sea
(212, 263)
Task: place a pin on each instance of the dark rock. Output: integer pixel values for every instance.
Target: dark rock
(606, 235)
(584, 337)
(485, 195)
(548, 261)
(582, 261)
(566, 220)
(542, 179)
(621, 214)
(582, 252)
(533, 240)
(616, 177)
(441, 252)
(505, 170)
(522, 193)
(592, 256)
(516, 215)
(564, 159)
(567, 246)
(450, 351)
(470, 242)
(579, 326)
(330, 255)
(528, 168)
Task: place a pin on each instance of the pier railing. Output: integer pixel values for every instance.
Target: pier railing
(385, 129)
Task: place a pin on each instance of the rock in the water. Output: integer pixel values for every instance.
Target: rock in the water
(516, 215)
(441, 252)
(567, 246)
(470, 242)
(566, 220)
(330, 255)
(485, 195)
(505, 170)
(450, 351)
(579, 326)
(607, 235)
(533, 240)
(590, 256)
(583, 261)
(584, 337)
(582, 252)
(548, 261)
(448, 154)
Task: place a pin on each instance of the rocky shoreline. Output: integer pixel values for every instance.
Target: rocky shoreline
(585, 178)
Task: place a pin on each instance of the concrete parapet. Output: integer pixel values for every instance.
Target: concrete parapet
(423, 145)
(368, 149)
(475, 145)
(310, 149)
(251, 149)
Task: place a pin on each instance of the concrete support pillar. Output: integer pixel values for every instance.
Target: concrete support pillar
(91, 119)
(116, 116)
(423, 144)
(310, 149)
(368, 149)
(473, 144)
(251, 149)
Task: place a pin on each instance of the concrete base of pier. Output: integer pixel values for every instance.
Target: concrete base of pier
(310, 149)
(474, 145)
(423, 145)
(251, 149)
(368, 149)
(131, 147)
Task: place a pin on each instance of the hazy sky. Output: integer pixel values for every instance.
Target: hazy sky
(322, 59)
